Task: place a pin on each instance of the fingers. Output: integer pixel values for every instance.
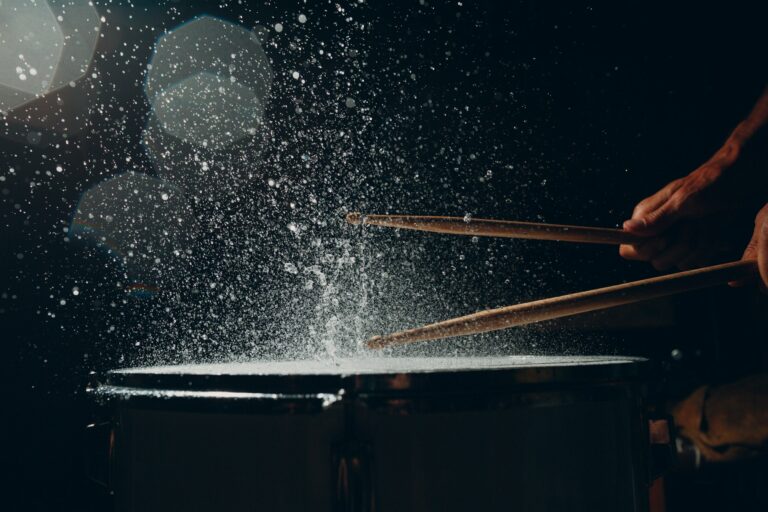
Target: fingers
(644, 251)
(653, 202)
(680, 250)
(757, 249)
(656, 213)
(656, 221)
(762, 252)
(750, 253)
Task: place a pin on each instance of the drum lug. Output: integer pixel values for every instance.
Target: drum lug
(353, 472)
(661, 447)
(100, 440)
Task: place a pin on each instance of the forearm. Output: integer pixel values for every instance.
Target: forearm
(730, 151)
(756, 119)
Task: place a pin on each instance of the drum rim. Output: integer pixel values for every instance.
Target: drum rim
(144, 383)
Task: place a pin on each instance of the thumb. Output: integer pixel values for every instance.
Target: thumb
(757, 249)
(762, 253)
(655, 221)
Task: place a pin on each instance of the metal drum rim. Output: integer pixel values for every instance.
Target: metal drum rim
(122, 384)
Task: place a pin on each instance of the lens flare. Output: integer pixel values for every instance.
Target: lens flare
(44, 46)
(208, 82)
(143, 222)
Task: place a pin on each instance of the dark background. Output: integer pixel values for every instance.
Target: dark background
(598, 105)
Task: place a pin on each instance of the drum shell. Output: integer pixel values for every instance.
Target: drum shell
(528, 446)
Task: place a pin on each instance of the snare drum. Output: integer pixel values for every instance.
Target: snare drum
(385, 434)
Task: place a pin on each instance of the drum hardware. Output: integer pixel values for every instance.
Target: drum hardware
(382, 434)
(354, 483)
(662, 451)
(687, 455)
(100, 445)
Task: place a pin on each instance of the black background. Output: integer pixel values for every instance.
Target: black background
(614, 101)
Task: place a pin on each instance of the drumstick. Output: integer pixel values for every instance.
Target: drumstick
(572, 304)
(498, 228)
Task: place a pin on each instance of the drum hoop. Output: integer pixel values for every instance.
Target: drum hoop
(320, 388)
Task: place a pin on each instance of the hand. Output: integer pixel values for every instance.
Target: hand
(686, 245)
(679, 219)
(758, 247)
(699, 194)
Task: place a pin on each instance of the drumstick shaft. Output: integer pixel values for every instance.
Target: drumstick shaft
(498, 228)
(572, 304)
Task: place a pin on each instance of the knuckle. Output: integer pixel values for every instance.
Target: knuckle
(653, 217)
(676, 184)
(762, 216)
(677, 200)
(641, 207)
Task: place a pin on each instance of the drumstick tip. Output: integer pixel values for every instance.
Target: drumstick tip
(377, 342)
(355, 218)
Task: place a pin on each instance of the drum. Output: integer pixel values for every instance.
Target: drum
(381, 434)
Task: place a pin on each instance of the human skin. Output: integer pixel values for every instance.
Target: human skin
(679, 220)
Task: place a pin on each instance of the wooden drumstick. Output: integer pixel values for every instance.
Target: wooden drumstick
(498, 228)
(572, 304)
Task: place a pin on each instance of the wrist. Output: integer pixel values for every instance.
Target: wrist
(740, 135)
(730, 151)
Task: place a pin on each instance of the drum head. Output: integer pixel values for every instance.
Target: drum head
(367, 376)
